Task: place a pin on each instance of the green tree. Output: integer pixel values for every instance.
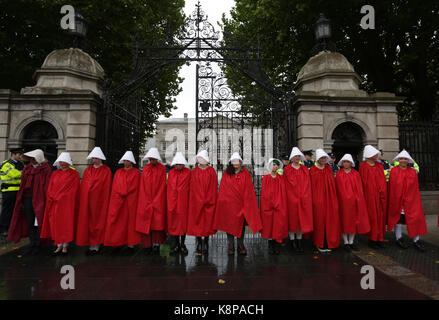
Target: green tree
(400, 55)
(30, 30)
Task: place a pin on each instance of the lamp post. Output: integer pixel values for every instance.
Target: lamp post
(80, 29)
(323, 33)
(322, 28)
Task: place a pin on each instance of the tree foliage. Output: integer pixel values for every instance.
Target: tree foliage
(30, 30)
(400, 55)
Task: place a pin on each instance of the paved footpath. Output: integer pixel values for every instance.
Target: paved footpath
(399, 274)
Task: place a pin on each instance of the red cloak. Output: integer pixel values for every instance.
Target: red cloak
(404, 192)
(325, 207)
(121, 220)
(38, 179)
(151, 209)
(94, 196)
(375, 194)
(61, 206)
(202, 201)
(299, 199)
(353, 211)
(274, 208)
(236, 202)
(177, 197)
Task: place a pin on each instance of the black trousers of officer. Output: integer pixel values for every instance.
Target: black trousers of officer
(34, 235)
(8, 203)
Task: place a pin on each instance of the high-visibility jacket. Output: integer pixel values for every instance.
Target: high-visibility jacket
(10, 175)
(412, 165)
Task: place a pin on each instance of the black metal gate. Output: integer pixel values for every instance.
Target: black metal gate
(216, 107)
(421, 140)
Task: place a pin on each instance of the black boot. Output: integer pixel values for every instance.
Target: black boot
(206, 245)
(299, 245)
(271, 249)
(175, 245)
(276, 247)
(199, 245)
(293, 245)
(156, 249)
(183, 248)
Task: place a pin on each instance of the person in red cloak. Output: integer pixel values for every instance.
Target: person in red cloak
(151, 209)
(177, 198)
(273, 207)
(236, 205)
(61, 205)
(375, 194)
(353, 211)
(325, 204)
(202, 201)
(121, 220)
(405, 206)
(299, 199)
(28, 214)
(94, 195)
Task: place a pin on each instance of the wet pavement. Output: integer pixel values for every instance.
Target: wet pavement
(121, 275)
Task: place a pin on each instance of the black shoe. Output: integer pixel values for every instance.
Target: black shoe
(419, 246)
(293, 245)
(91, 252)
(55, 254)
(206, 245)
(35, 251)
(354, 247)
(372, 244)
(174, 250)
(401, 244)
(271, 250)
(381, 244)
(183, 249)
(299, 245)
(199, 248)
(276, 246)
(347, 248)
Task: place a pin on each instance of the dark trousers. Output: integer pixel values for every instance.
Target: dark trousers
(8, 203)
(231, 238)
(34, 235)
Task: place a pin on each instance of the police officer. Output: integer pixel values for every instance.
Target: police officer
(286, 161)
(385, 164)
(10, 174)
(308, 156)
(332, 163)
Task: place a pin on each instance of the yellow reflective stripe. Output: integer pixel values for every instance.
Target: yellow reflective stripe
(16, 179)
(9, 170)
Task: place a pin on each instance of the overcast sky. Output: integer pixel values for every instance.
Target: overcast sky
(186, 99)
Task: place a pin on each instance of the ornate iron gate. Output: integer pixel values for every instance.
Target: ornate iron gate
(420, 139)
(216, 108)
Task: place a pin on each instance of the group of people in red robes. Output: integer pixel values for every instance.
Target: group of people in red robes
(145, 207)
(317, 205)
